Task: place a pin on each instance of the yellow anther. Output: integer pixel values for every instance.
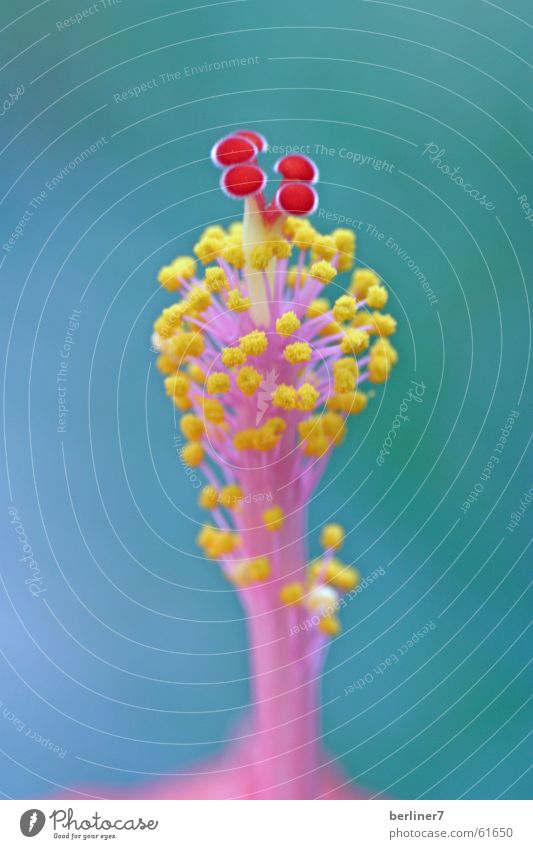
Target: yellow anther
(287, 323)
(186, 344)
(230, 496)
(291, 593)
(284, 396)
(307, 397)
(232, 252)
(377, 297)
(348, 402)
(345, 579)
(215, 279)
(324, 247)
(192, 427)
(344, 309)
(168, 279)
(169, 320)
(297, 352)
(344, 381)
(208, 249)
(331, 329)
(323, 271)
(362, 319)
(281, 249)
(291, 224)
(270, 433)
(196, 372)
(259, 569)
(183, 403)
(193, 453)
(345, 373)
(208, 498)
(176, 385)
(214, 231)
(199, 298)
(235, 230)
(217, 543)
(233, 357)
(296, 274)
(237, 303)
(165, 364)
(254, 343)
(383, 348)
(318, 307)
(345, 243)
(362, 280)
(334, 427)
(332, 536)
(248, 380)
(330, 626)
(218, 382)
(384, 325)
(260, 256)
(262, 438)
(213, 411)
(273, 518)
(304, 236)
(355, 341)
(379, 369)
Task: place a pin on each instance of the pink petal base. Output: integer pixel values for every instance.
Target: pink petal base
(229, 775)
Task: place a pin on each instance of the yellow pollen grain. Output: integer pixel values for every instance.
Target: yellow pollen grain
(284, 396)
(192, 454)
(254, 343)
(273, 518)
(218, 382)
(248, 380)
(192, 427)
(287, 323)
(297, 352)
(323, 271)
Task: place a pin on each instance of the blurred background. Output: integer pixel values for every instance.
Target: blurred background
(122, 652)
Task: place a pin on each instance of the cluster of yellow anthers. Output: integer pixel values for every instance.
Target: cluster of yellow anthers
(218, 358)
(181, 331)
(326, 579)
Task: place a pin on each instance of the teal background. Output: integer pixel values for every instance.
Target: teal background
(134, 659)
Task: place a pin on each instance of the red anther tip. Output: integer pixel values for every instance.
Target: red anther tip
(243, 180)
(297, 199)
(297, 167)
(256, 138)
(233, 150)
